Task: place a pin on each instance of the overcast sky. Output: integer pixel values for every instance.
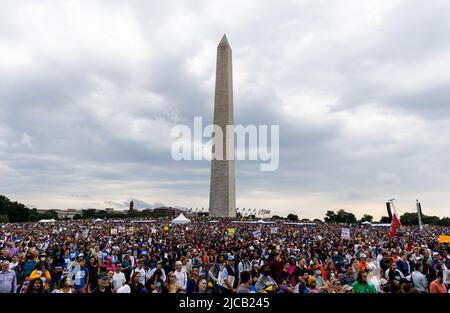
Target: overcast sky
(90, 90)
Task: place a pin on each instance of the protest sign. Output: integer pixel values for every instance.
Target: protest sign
(257, 233)
(444, 239)
(113, 231)
(231, 231)
(274, 230)
(446, 277)
(345, 233)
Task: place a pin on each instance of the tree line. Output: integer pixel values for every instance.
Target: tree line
(12, 212)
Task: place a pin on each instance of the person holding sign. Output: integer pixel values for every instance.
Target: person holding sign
(229, 276)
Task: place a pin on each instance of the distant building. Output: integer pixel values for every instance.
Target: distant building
(109, 210)
(166, 212)
(131, 206)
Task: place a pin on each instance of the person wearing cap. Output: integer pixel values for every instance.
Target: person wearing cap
(103, 284)
(8, 279)
(158, 267)
(229, 281)
(181, 277)
(244, 265)
(384, 286)
(265, 281)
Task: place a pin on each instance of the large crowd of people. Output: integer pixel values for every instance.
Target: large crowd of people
(138, 256)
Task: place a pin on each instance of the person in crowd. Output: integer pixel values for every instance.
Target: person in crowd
(135, 283)
(403, 264)
(118, 278)
(348, 277)
(171, 285)
(181, 276)
(79, 274)
(202, 286)
(158, 267)
(230, 281)
(192, 280)
(266, 283)
(418, 279)
(245, 284)
(156, 282)
(41, 272)
(8, 279)
(36, 286)
(141, 270)
(394, 277)
(103, 285)
(244, 265)
(66, 286)
(362, 285)
(437, 285)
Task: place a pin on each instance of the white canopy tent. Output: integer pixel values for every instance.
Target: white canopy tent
(261, 221)
(47, 221)
(98, 220)
(381, 225)
(181, 219)
(300, 224)
(367, 223)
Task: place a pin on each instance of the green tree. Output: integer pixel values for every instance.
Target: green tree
(330, 217)
(385, 220)
(292, 217)
(345, 217)
(4, 218)
(78, 217)
(444, 222)
(366, 218)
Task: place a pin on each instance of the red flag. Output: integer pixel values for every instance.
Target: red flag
(394, 225)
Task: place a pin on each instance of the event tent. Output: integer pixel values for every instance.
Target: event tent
(98, 220)
(181, 219)
(47, 221)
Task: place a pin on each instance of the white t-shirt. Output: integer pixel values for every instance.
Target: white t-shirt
(143, 274)
(181, 279)
(124, 289)
(118, 280)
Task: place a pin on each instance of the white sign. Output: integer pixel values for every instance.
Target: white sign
(446, 277)
(274, 230)
(345, 233)
(257, 233)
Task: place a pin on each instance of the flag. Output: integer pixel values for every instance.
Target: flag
(394, 225)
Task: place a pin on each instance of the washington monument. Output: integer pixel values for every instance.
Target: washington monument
(222, 193)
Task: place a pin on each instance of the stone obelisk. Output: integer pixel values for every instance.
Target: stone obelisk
(222, 194)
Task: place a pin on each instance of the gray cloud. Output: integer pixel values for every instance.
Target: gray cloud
(90, 93)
